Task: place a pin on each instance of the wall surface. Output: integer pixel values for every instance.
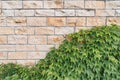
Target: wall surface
(28, 28)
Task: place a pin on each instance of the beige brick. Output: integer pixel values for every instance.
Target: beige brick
(0, 12)
(11, 4)
(17, 39)
(25, 47)
(55, 39)
(44, 30)
(43, 47)
(74, 4)
(63, 12)
(95, 21)
(17, 55)
(82, 28)
(3, 55)
(0, 4)
(76, 21)
(3, 39)
(64, 30)
(7, 61)
(105, 12)
(24, 12)
(7, 13)
(6, 30)
(113, 20)
(26, 62)
(37, 40)
(53, 4)
(36, 21)
(2, 21)
(95, 4)
(56, 21)
(7, 48)
(24, 30)
(16, 21)
(112, 4)
(44, 12)
(85, 12)
(117, 12)
(37, 55)
(32, 4)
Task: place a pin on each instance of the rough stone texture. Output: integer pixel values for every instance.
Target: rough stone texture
(95, 4)
(32, 4)
(29, 28)
(85, 13)
(56, 21)
(11, 4)
(16, 21)
(76, 21)
(37, 40)
(113, 4)
(53, 4)
(44, 13)
(113, 20)
(74, 4)
(36, 21)
(95, 21)
(44, 30)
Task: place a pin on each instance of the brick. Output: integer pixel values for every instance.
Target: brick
(37, 40)
(25, 47)
(85, 13)
(53, 4)
(7, 48)
(7, 61)
(95, 21)
(105, 12)
(95, 4)
(55, 39)
(43, 47)
(44, 12)
(77, 29)
(3, 55)
(16, 21)
(3, 39)
(0, 12)
(24, 12)
(6, 30)
(7, 13)
(56, 21)
(44, 30)
(17, 39)
(36, 21)
(11, 4)
(117, 12)
(113, 20)
(64, 30)
(60, 12)
(24, 30)
(76, 21)
(112, 4)
(26, 62)
(32, 4)
(2, 21)
(37, 55)
(74, 4)
(0, 4)
(17, 55)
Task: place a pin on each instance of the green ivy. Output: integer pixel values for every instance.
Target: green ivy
(85, 55)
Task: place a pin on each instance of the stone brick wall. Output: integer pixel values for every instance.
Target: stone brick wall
(28, 28)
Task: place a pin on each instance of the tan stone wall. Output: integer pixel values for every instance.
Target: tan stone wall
(28, 28)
